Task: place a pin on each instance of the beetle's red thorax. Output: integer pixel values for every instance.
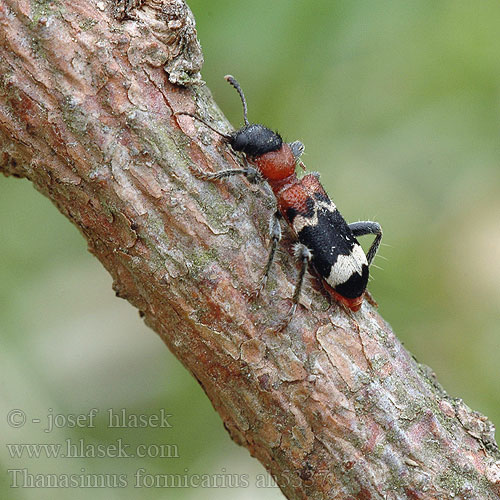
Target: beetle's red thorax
(276, 165)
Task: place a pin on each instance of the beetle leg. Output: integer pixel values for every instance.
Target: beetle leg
(252, 174)
(297, 149)
(275, 233)
(303, 254)
(363, 228)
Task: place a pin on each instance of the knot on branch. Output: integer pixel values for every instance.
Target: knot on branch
(164, 34)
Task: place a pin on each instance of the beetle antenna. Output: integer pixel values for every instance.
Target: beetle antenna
(226, 136)
(238, 88)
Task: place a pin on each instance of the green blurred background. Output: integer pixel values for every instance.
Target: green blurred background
(398, 106)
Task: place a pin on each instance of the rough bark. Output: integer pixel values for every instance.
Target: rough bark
(333, 406)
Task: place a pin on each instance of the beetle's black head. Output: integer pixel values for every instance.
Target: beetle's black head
(252, 139)
(255, 140)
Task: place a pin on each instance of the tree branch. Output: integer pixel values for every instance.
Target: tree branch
(334, 407)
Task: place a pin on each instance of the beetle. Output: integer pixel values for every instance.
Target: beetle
(325, 241)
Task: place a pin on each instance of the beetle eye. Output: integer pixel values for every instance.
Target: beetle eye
(240, 141)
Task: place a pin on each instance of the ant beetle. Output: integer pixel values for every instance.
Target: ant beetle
(326, 242)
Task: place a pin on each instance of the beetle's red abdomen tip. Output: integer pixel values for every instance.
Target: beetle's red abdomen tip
(353, 304)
